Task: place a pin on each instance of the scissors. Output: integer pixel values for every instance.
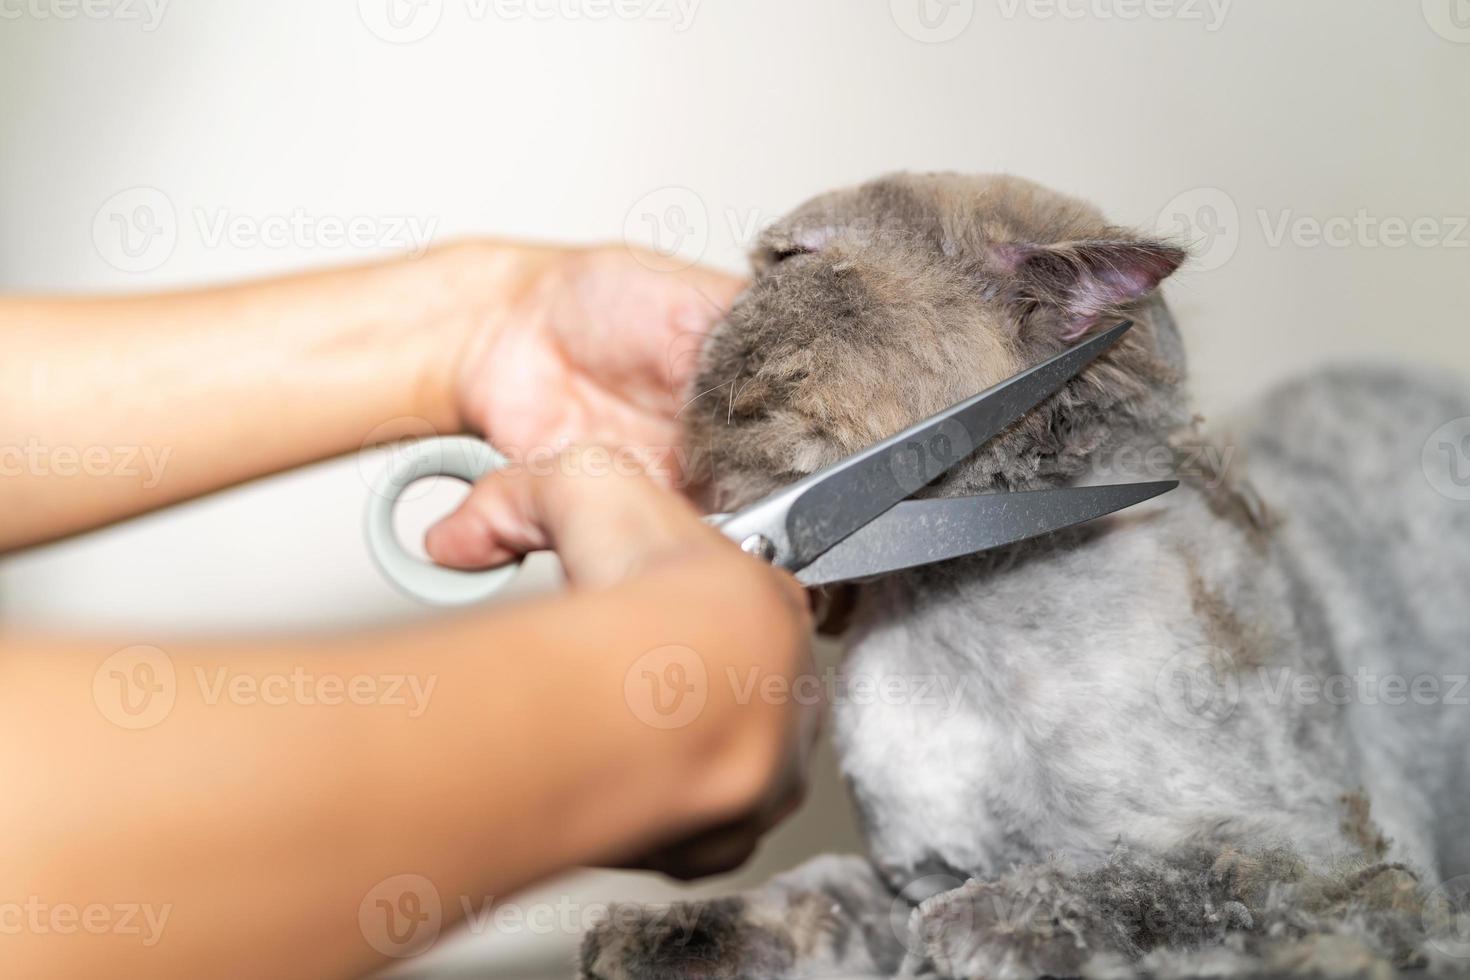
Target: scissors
(849, 521)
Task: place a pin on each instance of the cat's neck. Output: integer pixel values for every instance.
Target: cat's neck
(1117, 423)
(1126, 449)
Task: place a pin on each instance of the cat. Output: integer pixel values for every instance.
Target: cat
(1138, 778)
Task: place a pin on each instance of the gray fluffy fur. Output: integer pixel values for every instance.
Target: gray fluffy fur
(1130, 782)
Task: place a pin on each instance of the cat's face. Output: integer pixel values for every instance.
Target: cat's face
(876, 306)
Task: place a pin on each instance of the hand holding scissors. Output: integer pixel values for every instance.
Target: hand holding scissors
(851, 520)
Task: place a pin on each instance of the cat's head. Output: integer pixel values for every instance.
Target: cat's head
(877, 306)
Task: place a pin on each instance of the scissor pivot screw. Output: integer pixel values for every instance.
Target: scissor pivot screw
(760, 546)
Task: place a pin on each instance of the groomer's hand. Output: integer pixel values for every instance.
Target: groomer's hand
(607, 529)
(537, 347)
(584, 346)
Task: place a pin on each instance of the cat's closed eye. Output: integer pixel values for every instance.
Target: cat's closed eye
(782, 250)
(769, 257)
(790, 244)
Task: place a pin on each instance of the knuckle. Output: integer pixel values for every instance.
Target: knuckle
(784, 602)
(489, 504)
(774, 608)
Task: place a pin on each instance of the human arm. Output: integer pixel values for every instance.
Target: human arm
(263, 827)
(113, 406)
(253, 821)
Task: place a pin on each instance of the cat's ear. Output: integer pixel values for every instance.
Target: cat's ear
(1084, 282)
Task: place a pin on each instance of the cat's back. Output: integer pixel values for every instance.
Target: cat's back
(1368, 473)
(1364, 425)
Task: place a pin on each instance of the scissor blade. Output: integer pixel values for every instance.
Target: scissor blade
(858, 489)
(919, 532)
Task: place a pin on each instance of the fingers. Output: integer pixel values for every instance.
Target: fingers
(726, 847)
(609, 527)
(603, 527)
(719, 289)
(712, 852)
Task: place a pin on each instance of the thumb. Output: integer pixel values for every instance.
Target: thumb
(604, 525)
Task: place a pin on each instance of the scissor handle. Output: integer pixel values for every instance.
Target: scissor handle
(462, 457)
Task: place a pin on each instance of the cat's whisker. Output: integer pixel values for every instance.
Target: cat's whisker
(733, 394)
(701, 394)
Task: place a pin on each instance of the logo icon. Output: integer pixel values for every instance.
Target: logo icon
(1207, 222)
(1445, 459)
(672, 223)
(667, 687)
(136, 230)
(136, 687)
(401, 21)
(401, 916)
(903, 917)
(1447, 917)
(1197, 688)
(932, 21)
(919, 462)
(406, 446)
(1450, 19)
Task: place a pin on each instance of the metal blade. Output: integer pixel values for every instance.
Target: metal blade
(839, 500)
(918, 532)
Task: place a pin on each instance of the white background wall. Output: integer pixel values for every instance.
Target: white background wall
(536, 118)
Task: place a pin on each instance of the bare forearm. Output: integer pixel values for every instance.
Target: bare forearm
(250, 816)
(114, 406)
